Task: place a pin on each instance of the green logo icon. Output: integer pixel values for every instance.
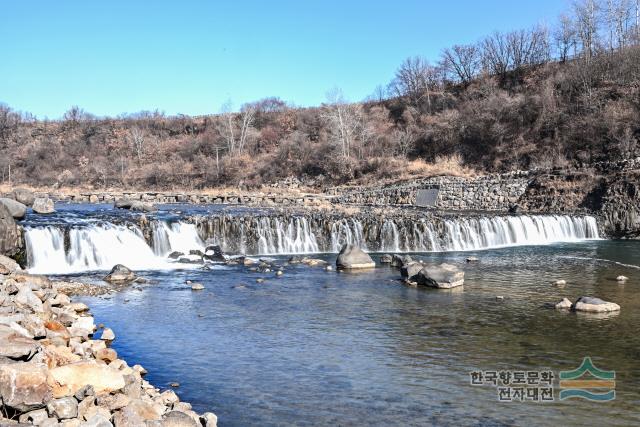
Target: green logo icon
(588, 382)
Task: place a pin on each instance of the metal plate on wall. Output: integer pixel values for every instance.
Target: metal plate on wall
(427, 197)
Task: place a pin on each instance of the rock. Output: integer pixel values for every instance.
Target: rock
(22, 195)
(16, 209)
(400, 260)
(67, 380)
(386, 259)
(86, 323)
(565, 304)
(142, 207)
(10, 241)
(107, 355)
(136, 413)
(23, 386)
(175, 255)
(64, 408)
(59, 355)
(120, 275)
(214, 253)
(43, 205)
(15, 346)
(197, 287)
(443, 276)
(472, 259)
(178, 419)
(174, 384)
(559, 283)
(123, 204)
(25, 298)
(499, 298)
(168, 397)
(594, 305)
(410, 269)
(107, 335)
(209, 419)
(113, 402)
(36, 417)
(79, 307)
(352, 257)
(7, 265)
(622, 278)
(328, 268)
(98, 420)
(279, 273)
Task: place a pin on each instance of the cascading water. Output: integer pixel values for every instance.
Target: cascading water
(88, 247)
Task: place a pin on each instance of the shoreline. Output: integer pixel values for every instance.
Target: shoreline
(57, 366)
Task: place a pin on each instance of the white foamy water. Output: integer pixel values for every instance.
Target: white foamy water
(100, 247)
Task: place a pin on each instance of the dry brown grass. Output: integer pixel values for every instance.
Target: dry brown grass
(452, 165)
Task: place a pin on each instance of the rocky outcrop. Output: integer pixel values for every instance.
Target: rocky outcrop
(10, 240)
(120, 275)
(16, 209)
(53, 371)
(621, 205)
(22, 195)
(352, 257)
(43, 205)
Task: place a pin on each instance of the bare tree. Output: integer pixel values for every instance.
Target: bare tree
(565, 37)
(343, 119)
(137, 141)
(415, 79)
(586, 14)
(462, 61)
(227, 126)
(495, 54)
(247, 116)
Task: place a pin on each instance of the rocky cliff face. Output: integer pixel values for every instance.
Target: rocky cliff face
(10, 238)
(621, 205)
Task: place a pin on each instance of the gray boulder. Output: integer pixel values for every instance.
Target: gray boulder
(123, 203)
(594, 305)
(16, 209)
(386, 259)
(120, 275)
(400, 260)
(7, 265)
(178, 419)
(410, 269)
(43, 205)
(142, 207)
(443, 276)
(22, 195)
(9, 236)
(352, 257)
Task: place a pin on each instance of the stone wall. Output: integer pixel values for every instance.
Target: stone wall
(488, 192)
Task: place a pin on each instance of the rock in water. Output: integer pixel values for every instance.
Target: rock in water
(559, 283)
(443, 276)
(142, 207)
(594, 305)
(565, 304)
(197, 287)
(386, 259)
(43, 205)
(120, 274)
(123, 204)
(9, 236)
(472, 259)
(213, 253)
(352, 257)
(16, 209)
(622, 278)
(399, 260)
(410, 269)
(24, 196)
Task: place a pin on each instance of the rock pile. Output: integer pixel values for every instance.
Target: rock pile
(54, 372)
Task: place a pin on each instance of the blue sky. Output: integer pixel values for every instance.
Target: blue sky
(112, 57)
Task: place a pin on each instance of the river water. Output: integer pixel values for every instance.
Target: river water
(316, 347)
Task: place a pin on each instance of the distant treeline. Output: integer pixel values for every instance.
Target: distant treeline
(537, 98)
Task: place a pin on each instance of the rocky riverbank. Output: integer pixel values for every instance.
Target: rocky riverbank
(57, 367)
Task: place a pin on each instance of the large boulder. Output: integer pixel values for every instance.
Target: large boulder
(68, 379)
(352, 257)
(140, 206)
(10, 243)
(123, 203)
(120, 275)
(400, 260)
(407, 271)
(16, 209)
(23, 386)
(22, 195)
(43, 205)
(15, 346)
(7, 265)
(443, 276)
(214, 253)
(594, 305)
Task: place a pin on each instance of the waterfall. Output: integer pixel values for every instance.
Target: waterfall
(86, 247)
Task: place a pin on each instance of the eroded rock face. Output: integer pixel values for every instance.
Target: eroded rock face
(352, 257)
(23, 386)
(443, 276)
(9, 235)
(15, 208)
(43, 205)
(120, 275)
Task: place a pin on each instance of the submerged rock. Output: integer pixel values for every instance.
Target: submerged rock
(16, 209)
(120, 274)
(43, 205)
(594, 305)
(352, 257)
(443, 276)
